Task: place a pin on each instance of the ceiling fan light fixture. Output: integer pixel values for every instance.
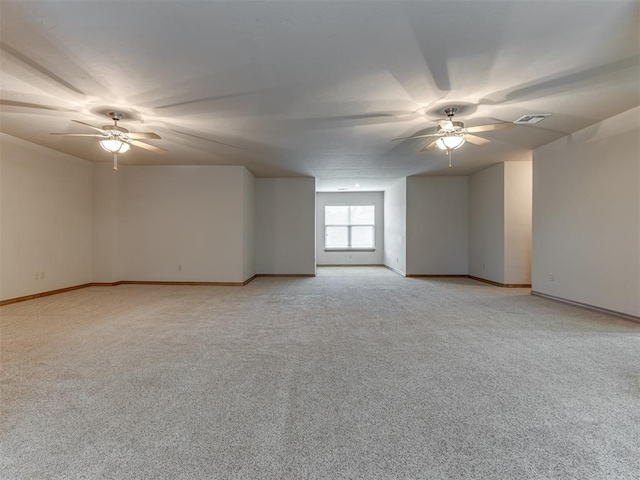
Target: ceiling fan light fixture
(115, 146)
(450, 142)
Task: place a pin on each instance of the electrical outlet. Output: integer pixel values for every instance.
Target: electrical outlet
(41, 275)
(551, 277)
(37, 275)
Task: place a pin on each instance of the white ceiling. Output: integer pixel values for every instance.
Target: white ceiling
(295, 88)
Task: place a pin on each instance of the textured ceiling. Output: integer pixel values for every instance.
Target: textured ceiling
(318, 88)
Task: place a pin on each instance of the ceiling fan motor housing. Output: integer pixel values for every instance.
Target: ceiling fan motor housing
(457, 126)
(451, 111)
(115, 128)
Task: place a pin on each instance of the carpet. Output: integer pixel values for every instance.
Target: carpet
(357, 373)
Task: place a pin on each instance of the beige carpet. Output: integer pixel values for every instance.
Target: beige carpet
(355, 374)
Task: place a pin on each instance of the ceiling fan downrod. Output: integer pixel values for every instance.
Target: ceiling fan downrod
(115, 116)
(450, 112)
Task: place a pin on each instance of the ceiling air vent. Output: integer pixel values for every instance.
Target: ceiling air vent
(532, 118)
(342, 189)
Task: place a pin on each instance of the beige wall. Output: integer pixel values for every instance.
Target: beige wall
(80, 222)
(173, 223)
(486, 224)
(188, 217)
(437, 225)
(586, 215)
(500, 223)
(285, 236)
(518, 199)
(45, 219)
(248, 225)
(107, 185)
(395, 227)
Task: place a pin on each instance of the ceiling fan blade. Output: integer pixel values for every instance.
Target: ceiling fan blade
(80, 135)
(138, 135)
(446, 124)
(430, 146)
(91, 126)
(488, 128)
(418, 136)
(476, 140)
(146, 146)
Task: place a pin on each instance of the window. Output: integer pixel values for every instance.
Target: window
(349, 227)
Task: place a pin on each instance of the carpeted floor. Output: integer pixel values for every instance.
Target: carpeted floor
(355, 374)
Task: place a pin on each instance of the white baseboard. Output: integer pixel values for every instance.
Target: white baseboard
(625, 316)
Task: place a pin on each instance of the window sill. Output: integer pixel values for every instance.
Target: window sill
(347, 249)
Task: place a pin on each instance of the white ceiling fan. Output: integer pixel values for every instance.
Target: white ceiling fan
(452, 135)
(116, 139)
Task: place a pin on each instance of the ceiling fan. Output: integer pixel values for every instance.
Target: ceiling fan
(452, 135)
(116, 139)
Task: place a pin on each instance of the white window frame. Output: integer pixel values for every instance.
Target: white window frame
(349, 226)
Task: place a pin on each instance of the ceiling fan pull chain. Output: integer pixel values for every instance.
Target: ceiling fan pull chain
(448, 151)
(115, 162)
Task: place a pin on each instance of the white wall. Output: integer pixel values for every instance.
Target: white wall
(437, 225)
(395, 226)
(352, 257)
(285, 210)
(586, 215)
(191, 216)
(518, 200)
(486, 224)
(249, 225)
(45, 219)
